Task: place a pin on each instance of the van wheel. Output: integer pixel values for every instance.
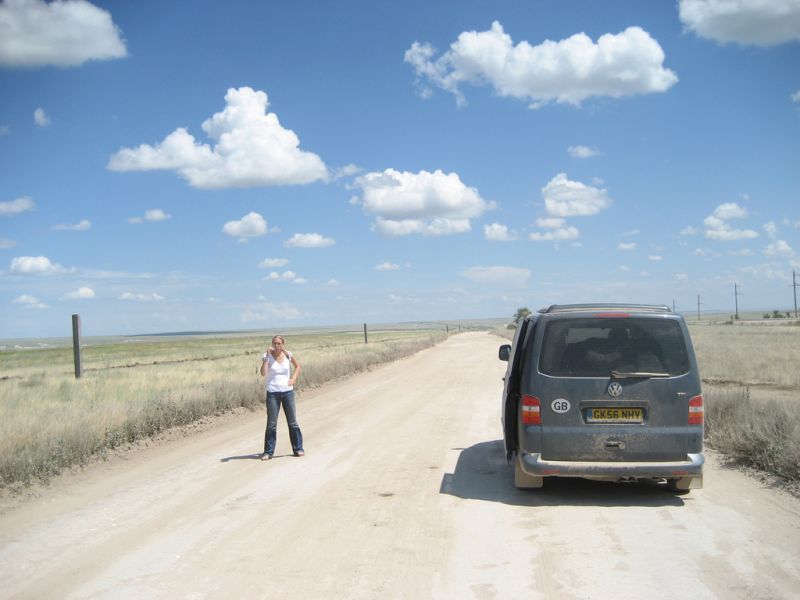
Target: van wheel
(522, 480)
(679, 486)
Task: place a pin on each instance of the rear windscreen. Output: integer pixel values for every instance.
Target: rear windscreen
(593, 347)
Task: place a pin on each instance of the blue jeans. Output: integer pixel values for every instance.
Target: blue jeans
(274, 401)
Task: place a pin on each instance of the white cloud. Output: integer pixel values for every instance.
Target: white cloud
(730, 210)
(141, 297)
(270, 312)
(565, 198)
(741, 252)
(556, 235)
(688, 230)
(308, 240)
(252, 149)
(498, 276)
(766, 271)
(35, 265)
(5, 129)
(350, 170)
(6, 243)
(273, 263)
(34, 33)
(626, 246)
(83, 225)
(40, 117)
(796, 96)
(771, 228)
(249, 226)
(433, 228)
(725, 233)
(397, 299)
(757, 22)
(550, 222)
(706, 253)
(681, 276)
(430, 204)
(333, 282)
(156, 214)
(387, 266)
(14, 207)
(29, 302)
(82, 293)
(718, 229)
(153, 216)
(655, 258)
(285, 276)
(582, 151)
(498, 233)
(568, 71)
(779, 248)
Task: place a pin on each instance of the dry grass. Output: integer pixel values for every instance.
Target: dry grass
(762, 435)
(748, 354)
(49, 420)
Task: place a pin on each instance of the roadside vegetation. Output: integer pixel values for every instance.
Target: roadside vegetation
(763, 435)
(133, 390)
(751, 386)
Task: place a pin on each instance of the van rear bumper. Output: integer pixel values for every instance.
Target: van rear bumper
(691, 468)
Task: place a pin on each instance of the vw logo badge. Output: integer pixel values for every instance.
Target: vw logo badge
(615, 389)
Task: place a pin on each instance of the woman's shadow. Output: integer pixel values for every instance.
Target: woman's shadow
(482, 473)
(242, 457)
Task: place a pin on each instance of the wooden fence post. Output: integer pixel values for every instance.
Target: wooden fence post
(76, 344)
(365, 333)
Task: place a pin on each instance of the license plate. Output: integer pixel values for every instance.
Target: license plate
(614, 415)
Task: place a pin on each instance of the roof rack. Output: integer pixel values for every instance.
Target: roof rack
(652, 308)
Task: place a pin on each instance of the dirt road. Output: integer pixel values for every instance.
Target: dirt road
(403, 493)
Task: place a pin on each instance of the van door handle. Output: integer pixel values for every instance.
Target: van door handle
(615, 444)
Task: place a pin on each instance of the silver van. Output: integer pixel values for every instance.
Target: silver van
(604, 391)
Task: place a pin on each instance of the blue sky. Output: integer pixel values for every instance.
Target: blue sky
(173, 166)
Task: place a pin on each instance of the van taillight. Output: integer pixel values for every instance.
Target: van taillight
(696, 411)
(530, 410)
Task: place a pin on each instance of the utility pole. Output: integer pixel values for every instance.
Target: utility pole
(698, 307)
(736, 294)
(794, 285)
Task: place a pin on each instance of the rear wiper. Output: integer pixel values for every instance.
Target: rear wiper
(636, 375)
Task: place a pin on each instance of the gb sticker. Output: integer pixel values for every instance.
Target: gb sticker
(560, 405)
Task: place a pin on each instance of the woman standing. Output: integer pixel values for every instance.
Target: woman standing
(276, 366)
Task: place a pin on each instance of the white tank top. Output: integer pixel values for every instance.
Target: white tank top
(278, 372)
